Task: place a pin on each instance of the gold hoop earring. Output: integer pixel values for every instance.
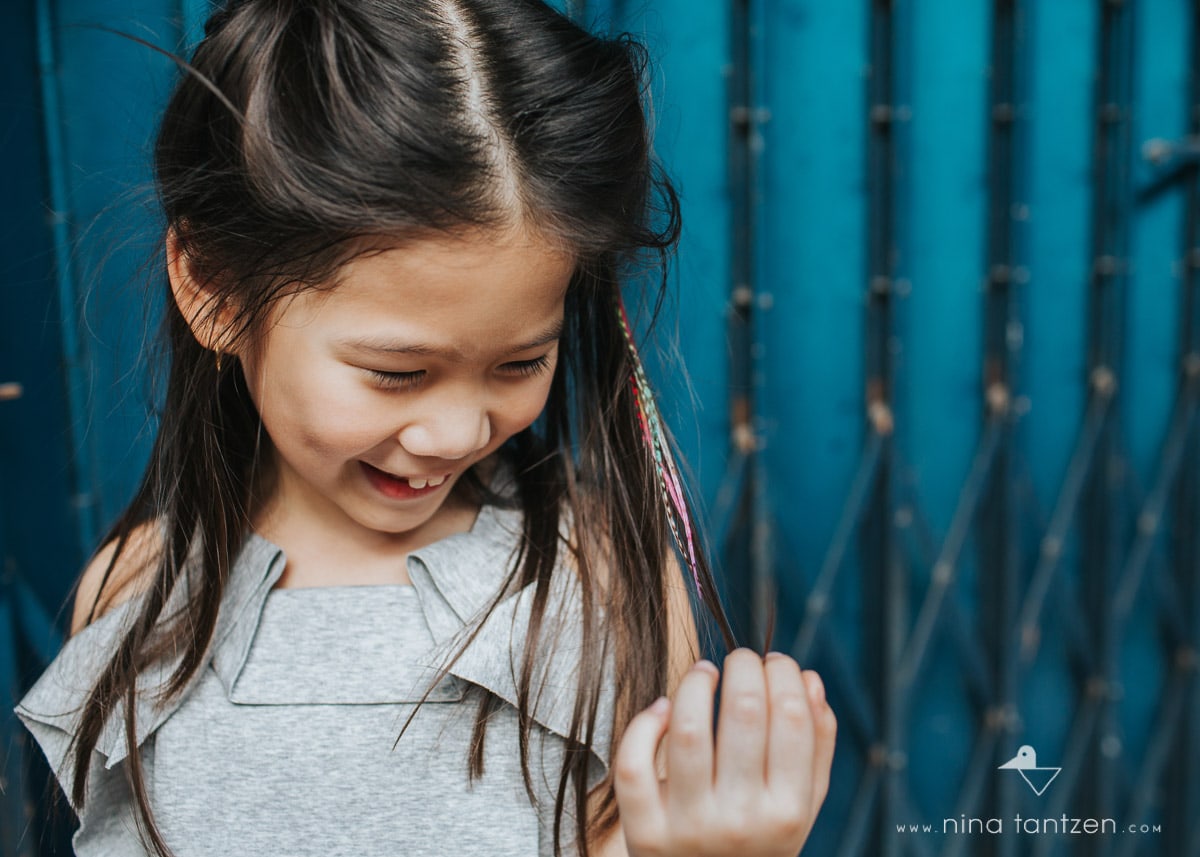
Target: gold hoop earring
(218, 362)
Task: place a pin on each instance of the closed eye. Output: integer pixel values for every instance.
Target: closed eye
(397, 380)
(529, 367)
(409, 380)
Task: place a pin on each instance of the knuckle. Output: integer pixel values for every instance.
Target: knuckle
(789, 823)
(739, 829)
(794, 709)
(649, 845)
(689, 734)
(749, 707)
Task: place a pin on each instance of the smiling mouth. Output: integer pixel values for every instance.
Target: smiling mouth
(402, 487)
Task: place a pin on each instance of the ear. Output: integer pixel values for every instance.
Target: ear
(209, 314)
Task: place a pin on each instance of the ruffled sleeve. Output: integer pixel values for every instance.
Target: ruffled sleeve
(53, 707)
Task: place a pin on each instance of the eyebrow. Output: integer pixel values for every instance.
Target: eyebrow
(389, 346)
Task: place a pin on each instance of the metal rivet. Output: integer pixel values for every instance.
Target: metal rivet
(1104, 381)
(1051, 548)
(997, 398)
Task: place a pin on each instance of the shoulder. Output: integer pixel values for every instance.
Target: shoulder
(110, 578)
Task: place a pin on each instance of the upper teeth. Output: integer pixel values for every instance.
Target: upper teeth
(421, 483)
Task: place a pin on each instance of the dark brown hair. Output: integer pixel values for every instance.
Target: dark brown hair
(299, 132)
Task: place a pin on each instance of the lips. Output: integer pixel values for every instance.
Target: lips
(402, 487)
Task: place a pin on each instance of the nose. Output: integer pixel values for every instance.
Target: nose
(450, 433)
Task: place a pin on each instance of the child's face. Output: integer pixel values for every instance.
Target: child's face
(422, 361)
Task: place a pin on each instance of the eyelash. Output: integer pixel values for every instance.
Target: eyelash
(408, 380)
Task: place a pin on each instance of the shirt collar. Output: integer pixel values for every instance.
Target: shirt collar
(456, 579)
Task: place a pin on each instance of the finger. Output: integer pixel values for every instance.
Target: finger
(790, 754)
(639, 794)
(825, 738)
(742, 725)
(690, 754)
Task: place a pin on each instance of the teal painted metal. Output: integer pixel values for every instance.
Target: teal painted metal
(111, 90)
(39, 546)
(73, 345)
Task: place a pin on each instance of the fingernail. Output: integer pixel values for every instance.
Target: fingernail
(706, 666)
(659, 706)
(774, 656)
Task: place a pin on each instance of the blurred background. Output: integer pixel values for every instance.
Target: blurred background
(938, 304)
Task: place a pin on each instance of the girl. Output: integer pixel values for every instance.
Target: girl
(400, 576)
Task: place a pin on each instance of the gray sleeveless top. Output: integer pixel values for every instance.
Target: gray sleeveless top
(285, 742)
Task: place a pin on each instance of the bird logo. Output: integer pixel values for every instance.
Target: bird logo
(1025, 764)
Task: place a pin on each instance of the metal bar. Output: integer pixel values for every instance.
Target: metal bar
(730, 491)
(1149, 519)
(971, 653)
(999, 547)
(82, 467)
(746, 371)
(1163, 740)
(817, 605)
(885, 578)
(763, 537)
(13, 788)
(1080, 737)
(1182, 781)
(1102, 517)
(974, 787)
(943, 575)
(1181, 785)
(855, 715)
(1061, 519)
(859, 826)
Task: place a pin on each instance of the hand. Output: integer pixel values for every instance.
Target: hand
(757, 792)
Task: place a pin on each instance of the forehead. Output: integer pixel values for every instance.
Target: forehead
(454, 293)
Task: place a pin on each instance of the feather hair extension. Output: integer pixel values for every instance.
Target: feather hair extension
(678, 518)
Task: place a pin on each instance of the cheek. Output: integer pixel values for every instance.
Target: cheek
(309, 416)
(522, 408)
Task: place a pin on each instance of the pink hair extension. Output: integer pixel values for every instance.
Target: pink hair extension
(655, 436)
